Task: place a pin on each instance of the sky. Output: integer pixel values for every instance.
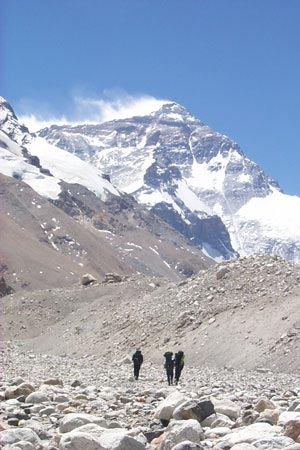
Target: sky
(234, 64)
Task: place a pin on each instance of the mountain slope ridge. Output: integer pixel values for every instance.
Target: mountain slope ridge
(171, 162)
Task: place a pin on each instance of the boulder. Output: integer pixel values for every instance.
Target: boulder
(194, 409)
(227, 407)
(243, 447)
(249, 435)
(292, 429)
(21, 445)
(112, 278)
(53, 382)
(264, 403)
(14, 435)
(87, 279)
(118, 441)
(179, 431)
(18, 391)
(37, 397)
(286, 416)
(75, 420)
(221, 272)
(188, 445)
(167, 406)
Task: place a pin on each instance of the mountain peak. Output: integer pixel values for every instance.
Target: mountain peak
(173, 111)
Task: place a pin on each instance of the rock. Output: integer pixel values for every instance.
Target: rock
(249, 435)
(271, 414)
(37, 397)
(182, 430)
(292, 429)
(21, 445)
(13, 435)
(117, 441)
(53, 382)
(75, 420)
(85, 437)
(286, 416)
(165, 409)
(264, 403)
(188, 445)
(112, 278)
(87, 279)
(221, 272)
(243, 447)
(194, 409)
(17, 391)
(222, 422)
(227, 407)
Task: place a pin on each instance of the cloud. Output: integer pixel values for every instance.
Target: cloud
(88, 110)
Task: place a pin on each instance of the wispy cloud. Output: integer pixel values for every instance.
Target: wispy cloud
(91, 110)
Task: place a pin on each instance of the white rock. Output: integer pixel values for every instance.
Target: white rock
(243, 447)
(75, 420)
(288, 415)
(21, 445)
(182, 430)
(118, 441)
(14, 435)
(36, 397)
(85, 437)
(165, 409)
(250, 434)
(227, 407)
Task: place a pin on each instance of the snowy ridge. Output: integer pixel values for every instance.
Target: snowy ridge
(198, 180)
(18, 150)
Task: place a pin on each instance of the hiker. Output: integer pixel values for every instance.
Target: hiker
(169, 366)
(179, 364)
(137, 359)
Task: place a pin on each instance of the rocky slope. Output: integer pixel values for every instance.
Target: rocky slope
(66, 375)
(242, 314)
(61, 218)
(196, 179)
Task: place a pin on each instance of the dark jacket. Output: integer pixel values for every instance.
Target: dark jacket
(137, 358)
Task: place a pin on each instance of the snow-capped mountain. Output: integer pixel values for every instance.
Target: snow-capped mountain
(196, 179)
(60, 216)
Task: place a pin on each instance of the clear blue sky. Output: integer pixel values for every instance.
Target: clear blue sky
(235, 64)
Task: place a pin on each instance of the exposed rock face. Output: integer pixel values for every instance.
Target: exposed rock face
(108, 231)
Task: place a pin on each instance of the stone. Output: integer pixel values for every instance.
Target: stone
(292, 429)
(87, 279)
(286, 416)
(194, 409)
(75, 420)
(182, 430)
(21, 445)
(188, 445)
(227, 407)
(16, 391)
(37, 397)
(221, 272)
(112, 278)
(264, 403)
(118, 441)
(13, 435)
(243, 446)
(271, 414)
(53, 382)
(165, 409)
(249, 435)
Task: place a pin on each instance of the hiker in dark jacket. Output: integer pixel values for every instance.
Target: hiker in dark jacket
(137, 360)
(169, 366)
(179, 364)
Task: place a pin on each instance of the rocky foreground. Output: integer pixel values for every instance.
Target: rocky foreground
(57, 402)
